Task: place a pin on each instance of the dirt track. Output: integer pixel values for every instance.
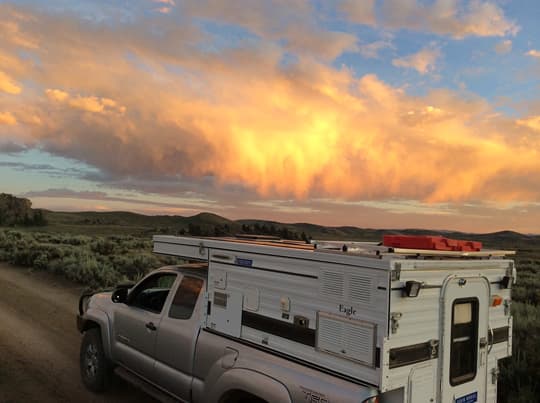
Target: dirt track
(39, 342)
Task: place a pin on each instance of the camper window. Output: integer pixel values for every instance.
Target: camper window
(464, 341)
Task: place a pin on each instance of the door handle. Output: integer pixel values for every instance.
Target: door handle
(151, 326)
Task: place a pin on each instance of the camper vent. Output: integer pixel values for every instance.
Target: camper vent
(347, 338)
(332, 284)
(360, 289)
(346, 287)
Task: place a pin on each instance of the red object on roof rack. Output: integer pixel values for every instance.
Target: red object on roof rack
(430, 242)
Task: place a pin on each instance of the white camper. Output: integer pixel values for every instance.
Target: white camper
(419, 325)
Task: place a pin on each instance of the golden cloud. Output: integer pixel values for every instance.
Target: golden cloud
(532, 122)
(360, 12)
(8, 85)
(305, 129)
(89, 104)
(7, 118)
(423, 61)
(443, 17)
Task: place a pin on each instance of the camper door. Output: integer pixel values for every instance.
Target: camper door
(465, 339)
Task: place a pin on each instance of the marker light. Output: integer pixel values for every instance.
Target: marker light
(496, 300)
(412, 288)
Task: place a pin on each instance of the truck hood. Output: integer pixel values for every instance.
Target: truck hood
(101, 300)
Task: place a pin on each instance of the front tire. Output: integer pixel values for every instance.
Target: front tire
(94, 365)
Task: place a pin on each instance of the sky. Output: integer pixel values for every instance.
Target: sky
(372, 113)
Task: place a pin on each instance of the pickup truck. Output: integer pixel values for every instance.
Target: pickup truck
(152, 334)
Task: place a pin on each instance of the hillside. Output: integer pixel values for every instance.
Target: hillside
(18, 212)
(208, 224)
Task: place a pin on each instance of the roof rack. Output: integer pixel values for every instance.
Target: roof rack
(375, 249)
(266, 241)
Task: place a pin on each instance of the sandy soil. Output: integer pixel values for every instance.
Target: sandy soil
(39, 342)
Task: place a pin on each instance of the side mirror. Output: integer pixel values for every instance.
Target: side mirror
(119, 295)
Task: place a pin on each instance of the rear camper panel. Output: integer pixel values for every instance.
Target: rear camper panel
(417, 340)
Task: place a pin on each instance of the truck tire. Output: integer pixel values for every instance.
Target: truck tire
(94, 365)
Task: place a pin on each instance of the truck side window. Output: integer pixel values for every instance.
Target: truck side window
(464, 341)
(186, 298)
(152, 292)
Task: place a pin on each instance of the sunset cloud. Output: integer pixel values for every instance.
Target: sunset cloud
(533, 53)
(448, 17)
(503, 47)
(166, 6)
(88, 104)
(8, 85)
(7, 118)
(272, 114)
(531, 122)
(360, 12)
(423, 61)
(372, 50)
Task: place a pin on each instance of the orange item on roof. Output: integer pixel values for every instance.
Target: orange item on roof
(430, 242)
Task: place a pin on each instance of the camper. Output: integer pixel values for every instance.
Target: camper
(409, 319)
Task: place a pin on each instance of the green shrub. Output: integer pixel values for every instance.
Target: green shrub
(92, 261)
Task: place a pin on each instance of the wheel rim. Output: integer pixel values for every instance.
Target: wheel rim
(91, 361)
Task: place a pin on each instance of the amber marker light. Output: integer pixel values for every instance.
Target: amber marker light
(496, 300)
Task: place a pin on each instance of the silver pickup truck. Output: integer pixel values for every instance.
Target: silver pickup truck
(152, 334)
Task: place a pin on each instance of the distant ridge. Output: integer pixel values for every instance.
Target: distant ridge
(210, 224)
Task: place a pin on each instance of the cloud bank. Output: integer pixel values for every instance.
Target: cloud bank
(164, 99)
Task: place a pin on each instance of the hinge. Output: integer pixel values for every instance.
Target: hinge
(434, 345)
(507, 306)
(201, 248)
(494, 376)
(394, 318)
(396, 272)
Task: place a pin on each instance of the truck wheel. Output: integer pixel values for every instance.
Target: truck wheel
(95, 367)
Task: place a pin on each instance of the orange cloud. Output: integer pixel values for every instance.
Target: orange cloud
(164, 10)
(360, 12)
(242, 117)
(532, 122)
(443, 17)
(8, 85)
(57, 95)
(7, 118)
(88, 104)
(423, 61)
(533, 53)
(167, 2)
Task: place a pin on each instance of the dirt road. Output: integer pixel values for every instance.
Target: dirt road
(39, 342)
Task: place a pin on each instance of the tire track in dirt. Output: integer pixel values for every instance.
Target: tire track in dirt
(39, 342)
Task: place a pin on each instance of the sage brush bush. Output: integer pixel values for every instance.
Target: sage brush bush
(92, 261)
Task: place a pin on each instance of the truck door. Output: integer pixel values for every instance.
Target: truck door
(465, 311)
(177, 338)
(136, 323)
